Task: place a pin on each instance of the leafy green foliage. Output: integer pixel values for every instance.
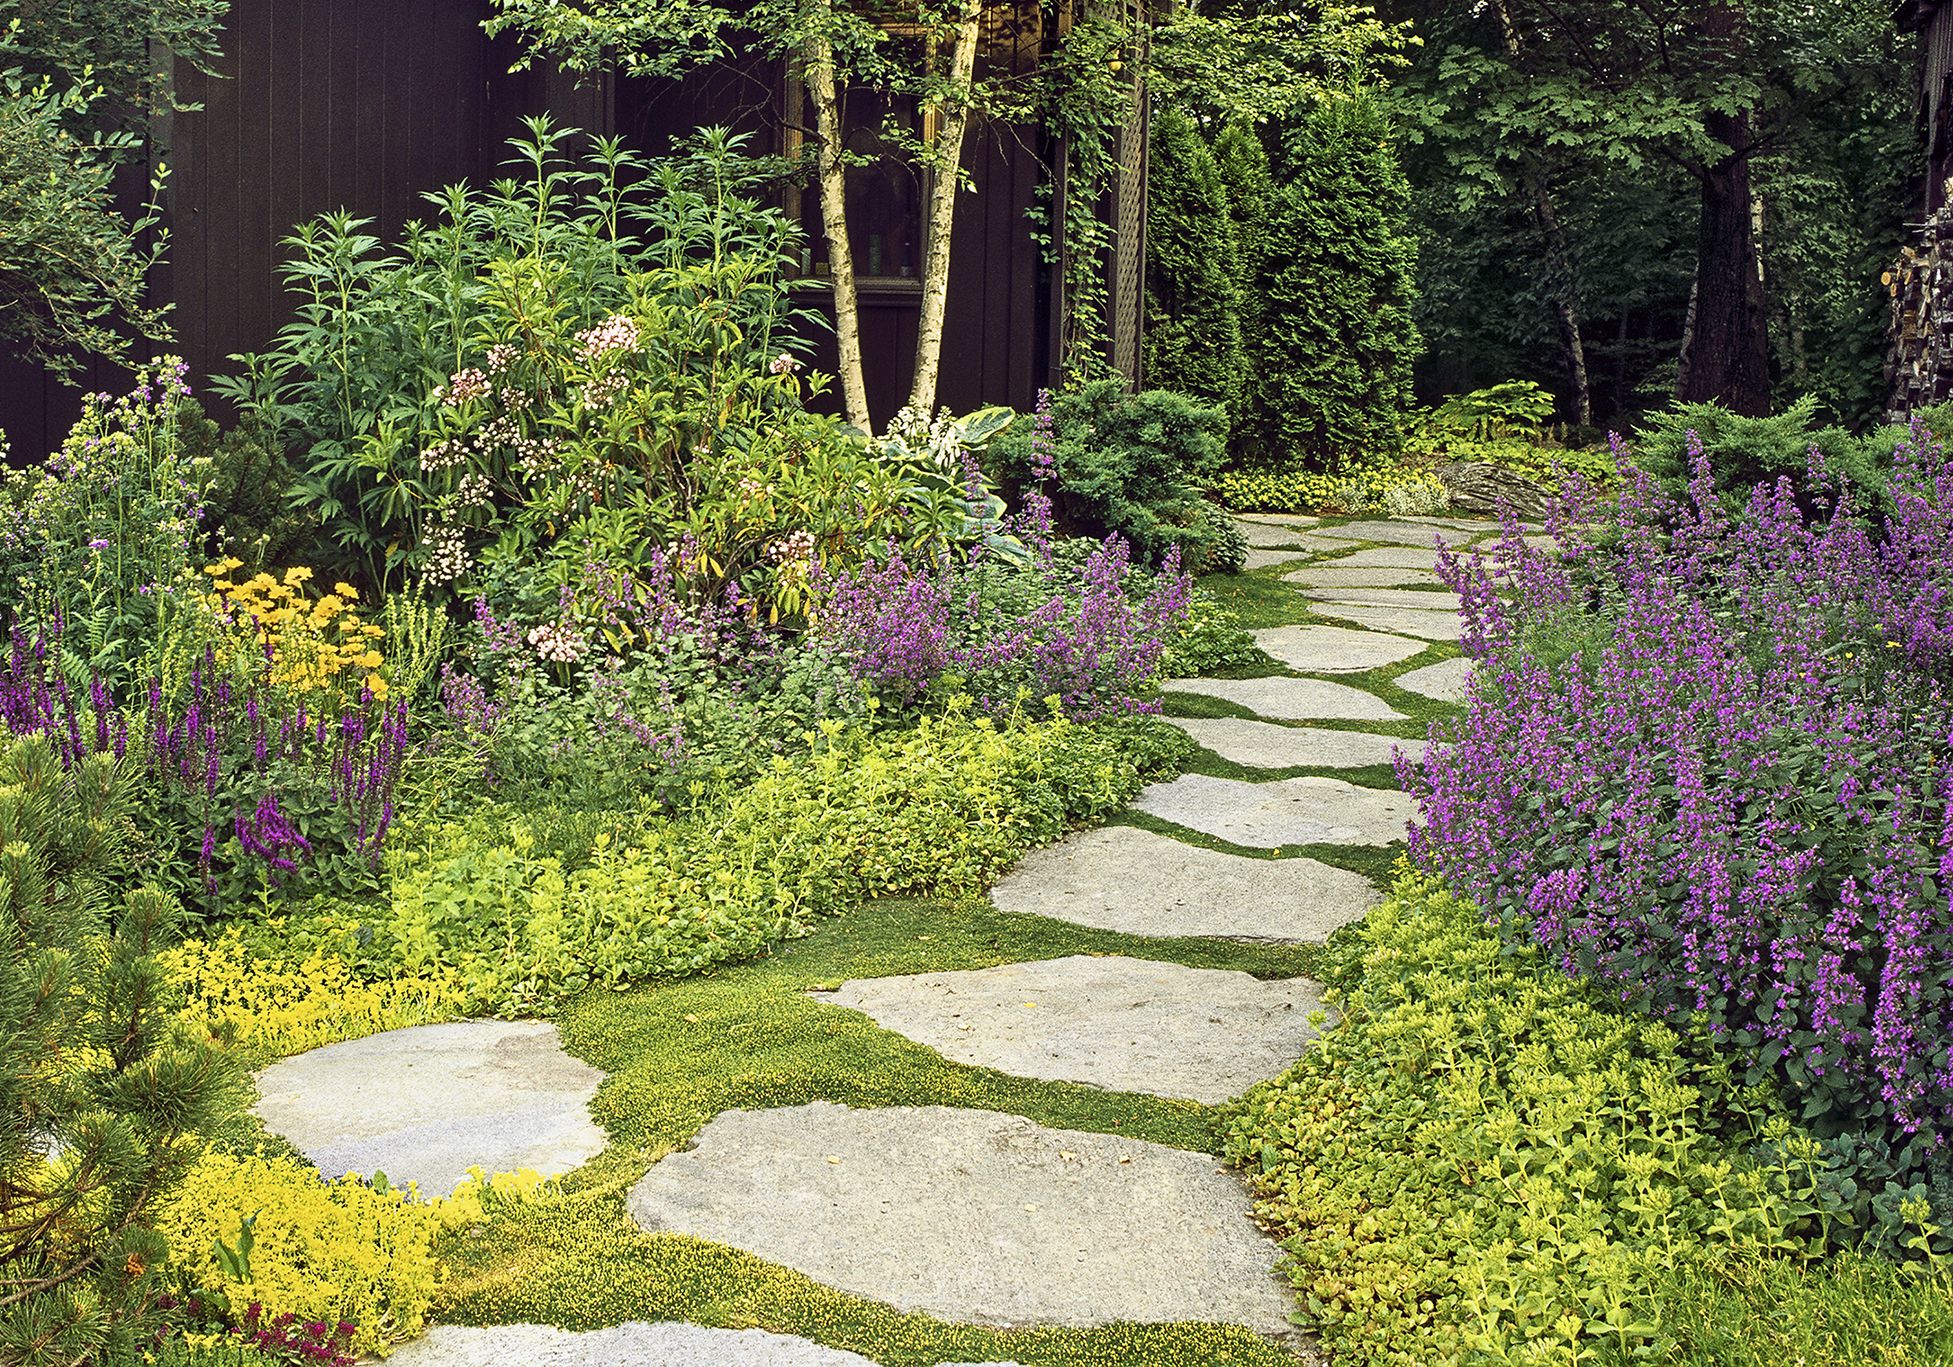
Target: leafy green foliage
(1193, 273)
(937, 809)
(1330, 364)
(1854, 1309)
(1744, 452)
(103, 1096)
(1368, 489)
(1485, 1161)
(1137, 465)
(1211, 639)
(77, 87)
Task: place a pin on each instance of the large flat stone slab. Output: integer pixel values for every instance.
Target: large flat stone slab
(1292, 699)
(1264, 745)
(1095, 879)
(426, 1103)
(1402, 533)
(636, 1344)
(1281, 519)
(1267, 536)
(1387, 557)
(1432, 626)
(1128, 1025)
(1423, 600)
(1334, 576)
(1334, 650)
(1259, 558)
(1289, 811)
(1446, 681)
(974, 1216)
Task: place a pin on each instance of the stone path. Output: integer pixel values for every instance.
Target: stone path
(974, 1216)
(424, 1104)
(980, 1216)
(1131, 1025)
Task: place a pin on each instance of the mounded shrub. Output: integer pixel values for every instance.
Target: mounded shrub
(1193, 273)
(1330, 363)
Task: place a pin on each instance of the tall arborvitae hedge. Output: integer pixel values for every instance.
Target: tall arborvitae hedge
(1329, 362)
(1245, 181)
(1193, 279)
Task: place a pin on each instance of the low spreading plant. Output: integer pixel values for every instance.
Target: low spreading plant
(1488, 1161)
(258, 1238)
(938, 808)
(1374, 489)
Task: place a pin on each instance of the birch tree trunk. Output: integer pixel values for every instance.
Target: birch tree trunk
(818, 70)
(948, 148)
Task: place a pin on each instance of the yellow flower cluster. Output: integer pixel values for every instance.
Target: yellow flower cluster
(323, 1251)
(317, 644)
(232, 991)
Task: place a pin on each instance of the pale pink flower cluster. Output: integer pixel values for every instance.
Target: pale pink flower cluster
(443, 455)
(447, 555)
(615, 333)
(783, 364)
(463, 386)
(555, 644)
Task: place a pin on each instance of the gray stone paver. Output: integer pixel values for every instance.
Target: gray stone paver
(1268, 536)
(1423, 600)
(1403, 533)
(426, 1103)
(1289, 811)
(1259, 558)
(1386, 557)
(1139, 882)
(1446, 681)
(636, 1344)
(1128, 1025)
(1281, 519)
(1291, 699)
(1334, 650)
(1264, 745)
(974, 1216)
(1334, 576)
(1432, 626)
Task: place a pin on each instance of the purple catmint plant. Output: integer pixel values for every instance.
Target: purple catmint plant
(1707, 761)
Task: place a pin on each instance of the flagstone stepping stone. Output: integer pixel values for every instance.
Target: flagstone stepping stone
(1334, 650)
(1446, 681)
(426, 1103)
(1402, 533)
(1143, 883)
(1338, 576)
(636, 1344)
(974, 1216)
(1259, 559)
(1391, 557)
(1424, 600)
(1281, 519)
(1264, 745)
(1128, 1025)
(1461, 524)
(1432, 626)
(1289, 811)
(1267, 536)
(1292, 699)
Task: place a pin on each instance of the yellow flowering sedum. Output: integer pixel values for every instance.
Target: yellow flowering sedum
(318, 645)
(326, 1251)
(232, 991)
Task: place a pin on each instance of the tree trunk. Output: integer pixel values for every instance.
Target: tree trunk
(1729, 344)
(948, 160)
(819, 74)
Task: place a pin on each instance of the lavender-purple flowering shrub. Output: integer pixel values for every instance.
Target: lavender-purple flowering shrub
(1081, 624)
(1707, 764)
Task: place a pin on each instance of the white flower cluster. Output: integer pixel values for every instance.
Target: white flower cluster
(605, 390)
(783, 364)
(501, 356)
(447, 555)
(615, 333)
(535, 457)
(443, 455)
(496, 434)
(934, 438)
(752, 489)
(514, 397)
(462, 386)
(794, 549)
(556, 644)
(473, 490)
